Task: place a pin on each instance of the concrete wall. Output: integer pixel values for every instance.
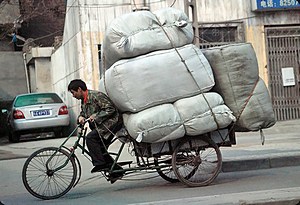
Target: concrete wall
(43, 75)
(12, 75)
(59, 73)
(38, 62)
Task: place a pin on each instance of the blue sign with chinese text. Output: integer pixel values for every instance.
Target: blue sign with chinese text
(276, 4)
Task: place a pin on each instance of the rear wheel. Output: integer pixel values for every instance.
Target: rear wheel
(196, 162)
(49, 183)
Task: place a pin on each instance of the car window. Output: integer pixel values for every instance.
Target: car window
(35, 99)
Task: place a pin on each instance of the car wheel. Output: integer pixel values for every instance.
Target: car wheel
(14, 136)
(58, 133)
(65, 132)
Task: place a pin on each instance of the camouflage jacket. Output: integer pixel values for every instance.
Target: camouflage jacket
(99, 106)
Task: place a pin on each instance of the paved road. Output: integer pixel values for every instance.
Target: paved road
(281, 149)
(245, 187)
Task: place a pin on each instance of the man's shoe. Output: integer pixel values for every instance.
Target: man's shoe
(115, 176)
(99, 168)
(118, 175)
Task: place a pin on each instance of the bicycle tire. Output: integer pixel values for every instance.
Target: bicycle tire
(166, 173)
(200, 158)
(43, 183)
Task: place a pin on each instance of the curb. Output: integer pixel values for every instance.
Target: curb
(289, 196)
(288, 201)
(260, 163)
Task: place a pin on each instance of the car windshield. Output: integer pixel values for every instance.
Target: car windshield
(35, 99)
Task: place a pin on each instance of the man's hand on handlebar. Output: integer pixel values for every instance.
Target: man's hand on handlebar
(82, 120)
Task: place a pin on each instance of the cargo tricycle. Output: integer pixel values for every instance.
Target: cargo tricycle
(51, 172)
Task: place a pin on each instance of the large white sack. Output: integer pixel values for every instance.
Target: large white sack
(157, 78)
(156, 124)
(101, 87)
(204, 113)
(235, 70)
(140, 32)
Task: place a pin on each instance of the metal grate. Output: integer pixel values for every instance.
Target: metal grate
(283, 48)
(211, 35)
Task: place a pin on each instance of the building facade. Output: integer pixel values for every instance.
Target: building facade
(272, 26)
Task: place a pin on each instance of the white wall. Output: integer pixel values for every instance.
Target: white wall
(38, 62)
(60, 73)
(43, 75)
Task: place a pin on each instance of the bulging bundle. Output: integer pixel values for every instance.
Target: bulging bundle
(142, 32)
(235, 70)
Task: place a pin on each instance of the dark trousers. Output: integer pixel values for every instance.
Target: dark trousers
(96, 148)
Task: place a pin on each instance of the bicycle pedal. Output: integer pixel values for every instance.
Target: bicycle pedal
(124, 163)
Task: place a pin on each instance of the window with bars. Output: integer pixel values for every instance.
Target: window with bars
(217, 35)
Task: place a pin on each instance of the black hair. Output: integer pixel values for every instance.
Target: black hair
(75, 84)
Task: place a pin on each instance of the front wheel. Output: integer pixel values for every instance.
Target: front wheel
(196, 162)
(49, 183)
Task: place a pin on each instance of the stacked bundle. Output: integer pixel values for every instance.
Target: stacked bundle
(159, 80)
(158, 77)
(187, 116)
(142, 32)
(237, 81)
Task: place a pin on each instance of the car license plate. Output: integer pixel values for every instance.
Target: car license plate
(40, 113)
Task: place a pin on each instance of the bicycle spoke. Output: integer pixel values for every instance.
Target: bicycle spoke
(49, 184)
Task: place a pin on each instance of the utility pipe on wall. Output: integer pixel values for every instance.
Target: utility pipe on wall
(26, 72)
(139, 5)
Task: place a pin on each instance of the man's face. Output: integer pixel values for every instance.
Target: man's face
(77, 94)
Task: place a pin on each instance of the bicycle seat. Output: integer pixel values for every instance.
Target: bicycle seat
(123, 135)
(110, 135)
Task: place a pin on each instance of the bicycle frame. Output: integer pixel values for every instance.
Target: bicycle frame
(142, 164)
(74, 147)
(146, 160)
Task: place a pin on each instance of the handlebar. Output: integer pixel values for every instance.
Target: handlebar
(85, 121)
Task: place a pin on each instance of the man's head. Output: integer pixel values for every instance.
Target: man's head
(77, 87)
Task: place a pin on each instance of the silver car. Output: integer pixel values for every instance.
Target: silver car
(37, 112)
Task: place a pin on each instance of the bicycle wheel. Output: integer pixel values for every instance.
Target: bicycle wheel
(196, 162)
(166, 171)
(49, 184)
